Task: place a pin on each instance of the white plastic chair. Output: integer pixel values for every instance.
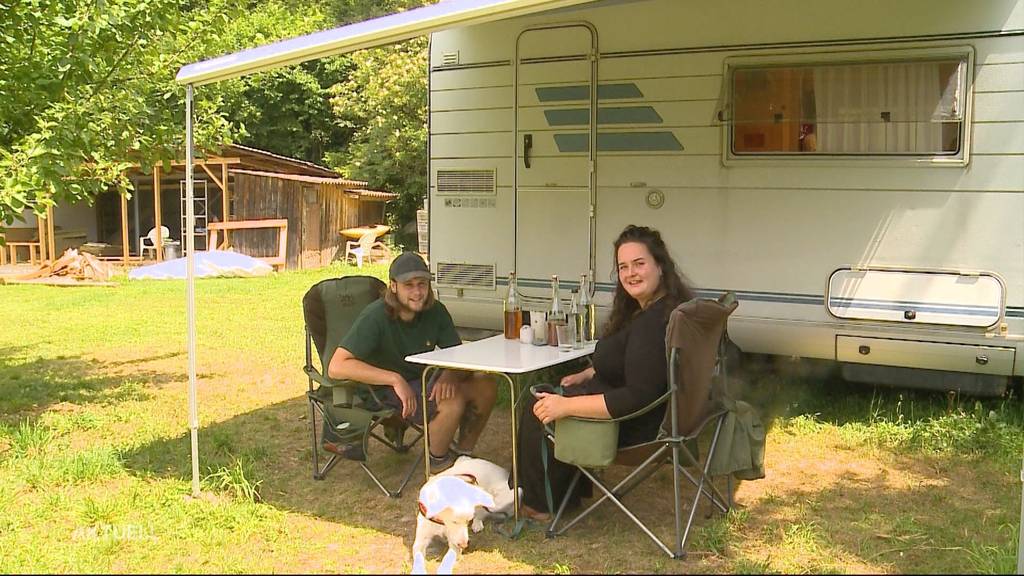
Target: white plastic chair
(148, 242)
(364, 247)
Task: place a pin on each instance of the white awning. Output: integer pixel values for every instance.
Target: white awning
(375, 32)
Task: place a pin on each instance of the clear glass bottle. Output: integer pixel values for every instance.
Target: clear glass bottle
(573, 319)
(513, 311)
(586, 320)
(555, 315)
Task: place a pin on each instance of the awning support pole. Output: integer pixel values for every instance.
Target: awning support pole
(190, 284)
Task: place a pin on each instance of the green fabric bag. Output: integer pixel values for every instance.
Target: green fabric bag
(741, 443)
(586, 442)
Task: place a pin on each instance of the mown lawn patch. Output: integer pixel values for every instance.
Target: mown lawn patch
(95, 470)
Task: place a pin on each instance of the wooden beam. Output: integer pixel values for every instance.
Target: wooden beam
(156, 213)
(41, 226)
(249, 224)
(51, 236)
(279, 261)
(225, 205)
(224, 199)
(212, 177)
(214, 161)
(124, 227)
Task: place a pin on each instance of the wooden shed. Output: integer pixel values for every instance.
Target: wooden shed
(241, 183)
(316, 209)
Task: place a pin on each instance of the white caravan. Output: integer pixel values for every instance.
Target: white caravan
(854, 171)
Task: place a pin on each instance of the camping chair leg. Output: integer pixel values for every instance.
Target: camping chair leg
(615, 492)
(550, 532)
(700, 486)
(677, 500)
(405, 481)
(318, 472)
(710, 490)
(316, 452)
(611, 496)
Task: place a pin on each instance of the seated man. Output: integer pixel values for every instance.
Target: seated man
(408, 320)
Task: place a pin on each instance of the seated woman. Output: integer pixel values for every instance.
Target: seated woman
(628, 371)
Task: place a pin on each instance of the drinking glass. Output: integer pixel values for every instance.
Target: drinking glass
(539, 322)
(566, 336)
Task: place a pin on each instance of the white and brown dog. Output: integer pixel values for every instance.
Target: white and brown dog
(454, 501)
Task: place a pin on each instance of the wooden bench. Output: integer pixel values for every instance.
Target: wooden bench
(34, 252)
(278, 262)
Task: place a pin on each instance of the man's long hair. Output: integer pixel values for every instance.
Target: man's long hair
(392, 305)
(674, 286)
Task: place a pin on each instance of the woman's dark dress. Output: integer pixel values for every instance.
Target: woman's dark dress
(630, 370)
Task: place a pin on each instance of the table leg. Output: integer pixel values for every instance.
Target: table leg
(515, 452)
(426, 420)
(514, 401)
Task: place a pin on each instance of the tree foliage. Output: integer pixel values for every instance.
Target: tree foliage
(384, 100)
(286, 110)
(86, 87)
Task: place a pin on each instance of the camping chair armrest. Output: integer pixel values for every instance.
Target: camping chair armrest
(351, 387)
(635, 414)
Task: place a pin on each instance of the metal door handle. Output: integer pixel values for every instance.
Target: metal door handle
(527, 145)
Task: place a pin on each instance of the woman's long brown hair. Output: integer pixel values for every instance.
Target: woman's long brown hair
(673, 284)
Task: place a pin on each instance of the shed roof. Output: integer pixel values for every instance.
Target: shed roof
(348, 186)
(256, 159)
(303, 177)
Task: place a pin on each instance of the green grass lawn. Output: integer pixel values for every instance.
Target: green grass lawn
(95, 470)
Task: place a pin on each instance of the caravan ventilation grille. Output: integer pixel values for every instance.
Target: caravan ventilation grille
(460, 182)
(450, 59)
(465, 275)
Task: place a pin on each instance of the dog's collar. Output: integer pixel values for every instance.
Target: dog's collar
(467, 478)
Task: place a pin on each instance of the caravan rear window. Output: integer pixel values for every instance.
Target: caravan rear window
(902, 108)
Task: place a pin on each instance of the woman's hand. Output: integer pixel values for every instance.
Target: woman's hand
(551, 407)
(578, 378)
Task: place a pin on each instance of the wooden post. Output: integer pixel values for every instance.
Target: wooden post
(224, 199)
(50, 234)
(156, 214)
(41, 226)
(124, 227)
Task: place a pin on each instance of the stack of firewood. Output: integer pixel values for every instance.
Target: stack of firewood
(73, 264)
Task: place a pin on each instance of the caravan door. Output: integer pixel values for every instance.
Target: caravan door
(556, 73)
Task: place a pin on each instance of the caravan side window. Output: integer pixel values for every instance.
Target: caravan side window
(890, 108)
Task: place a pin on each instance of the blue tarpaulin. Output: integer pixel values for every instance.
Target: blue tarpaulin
(208, 265)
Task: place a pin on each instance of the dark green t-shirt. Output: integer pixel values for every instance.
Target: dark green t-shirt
(385, 342)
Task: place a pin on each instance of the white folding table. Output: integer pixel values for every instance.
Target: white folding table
(499, 356)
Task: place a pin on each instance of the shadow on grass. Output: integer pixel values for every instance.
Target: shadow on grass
(861, 522)
(29, 387)
(276, 440)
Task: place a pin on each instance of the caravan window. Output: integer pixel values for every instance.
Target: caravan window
(904, 108)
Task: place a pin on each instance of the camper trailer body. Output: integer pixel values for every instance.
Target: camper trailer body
(853, 171)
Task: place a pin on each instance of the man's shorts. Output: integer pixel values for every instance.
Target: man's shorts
(387, 396)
